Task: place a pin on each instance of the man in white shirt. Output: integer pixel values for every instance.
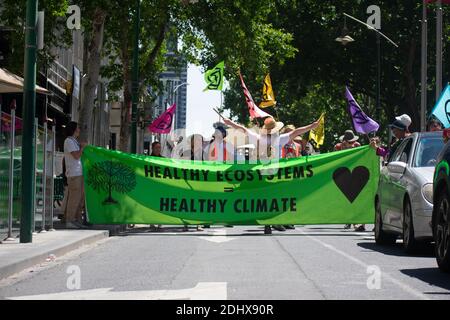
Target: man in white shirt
(75, 190)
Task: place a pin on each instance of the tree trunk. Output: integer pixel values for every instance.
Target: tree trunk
(92, 74)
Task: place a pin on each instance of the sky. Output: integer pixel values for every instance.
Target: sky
(200, 115)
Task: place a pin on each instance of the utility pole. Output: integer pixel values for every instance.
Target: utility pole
(135, 81)
(423, 90)
(438, 49)
(28, 114)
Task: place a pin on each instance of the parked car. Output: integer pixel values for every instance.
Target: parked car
(404, 199)
(441, 209)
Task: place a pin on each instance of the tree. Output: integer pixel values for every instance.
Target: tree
(314, 80)
(93, 15)
(12, 16)
(111, 176)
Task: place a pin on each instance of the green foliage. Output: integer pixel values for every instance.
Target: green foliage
(314, 80)
(56, 34)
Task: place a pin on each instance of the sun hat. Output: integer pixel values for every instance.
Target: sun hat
(271, 126)
(348, 136)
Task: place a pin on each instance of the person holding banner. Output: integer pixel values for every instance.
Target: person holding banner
(270, 143)
(349, 140)
(75, 190)
(219, 149)
(269, 140)
(192, 149)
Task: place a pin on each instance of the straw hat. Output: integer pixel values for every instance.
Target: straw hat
(271, 126)
(348, 136)
(298, 139)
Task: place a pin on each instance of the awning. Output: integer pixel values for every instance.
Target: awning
(11, 83)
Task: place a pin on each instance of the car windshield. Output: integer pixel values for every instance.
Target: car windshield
(427, 151)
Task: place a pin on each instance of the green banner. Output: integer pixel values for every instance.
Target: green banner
(333, 188)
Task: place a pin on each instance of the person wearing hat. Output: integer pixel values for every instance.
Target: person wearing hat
(348, 140)
(269, 142)
(291, 149)
(400, 129)
(219, 149)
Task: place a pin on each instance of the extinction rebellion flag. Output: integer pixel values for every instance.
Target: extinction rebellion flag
(253, 109)
(361, 122)
(268, 95)
(163, 123)
(214, 77)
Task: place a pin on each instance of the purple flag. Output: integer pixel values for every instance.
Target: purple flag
(164, 122)
(361, 122)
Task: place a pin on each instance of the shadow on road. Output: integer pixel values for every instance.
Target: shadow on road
(432, 276)
(424, 251)
(230, 232)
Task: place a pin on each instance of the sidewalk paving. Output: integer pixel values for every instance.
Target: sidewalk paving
(16, 256)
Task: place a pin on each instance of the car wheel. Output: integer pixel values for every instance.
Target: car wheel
(409, 240)
(442, 233)
(381, 237)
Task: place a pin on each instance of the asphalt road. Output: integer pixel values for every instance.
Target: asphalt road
(311, 262)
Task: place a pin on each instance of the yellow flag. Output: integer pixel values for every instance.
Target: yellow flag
(317, 135)
(268, 96)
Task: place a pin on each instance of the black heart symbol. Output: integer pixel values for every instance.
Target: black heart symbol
(351, 183)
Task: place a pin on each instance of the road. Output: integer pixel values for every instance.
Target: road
(310, 262)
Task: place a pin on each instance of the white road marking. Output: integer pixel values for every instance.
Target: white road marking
(202, 291)
(405, 287)
(217, 236)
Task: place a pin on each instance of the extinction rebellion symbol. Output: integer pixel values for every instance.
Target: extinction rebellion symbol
(447, 111)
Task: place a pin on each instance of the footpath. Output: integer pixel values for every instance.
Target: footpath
(16, 256)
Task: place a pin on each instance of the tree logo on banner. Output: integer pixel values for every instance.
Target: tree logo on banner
(109, 176)
(351, 183)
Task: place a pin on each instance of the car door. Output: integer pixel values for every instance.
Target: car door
(397, 184)
(385, 188)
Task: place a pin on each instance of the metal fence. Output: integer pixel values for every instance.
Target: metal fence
(49, 187)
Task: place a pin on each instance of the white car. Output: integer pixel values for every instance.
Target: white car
(404, 199)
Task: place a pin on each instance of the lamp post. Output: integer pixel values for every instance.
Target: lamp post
(345, 38)
(29, 110)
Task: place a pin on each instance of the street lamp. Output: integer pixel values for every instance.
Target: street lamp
(345, 38)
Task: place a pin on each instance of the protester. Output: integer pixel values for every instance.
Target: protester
(290, 150)
(400, 130)
(75, 190)
(434, 125)
(219, 149)
(156, 152)
(269, 142)
(347, 141)
(156, 149)
(191, 149)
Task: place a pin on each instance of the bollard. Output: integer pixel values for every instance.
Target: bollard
(11, 173)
